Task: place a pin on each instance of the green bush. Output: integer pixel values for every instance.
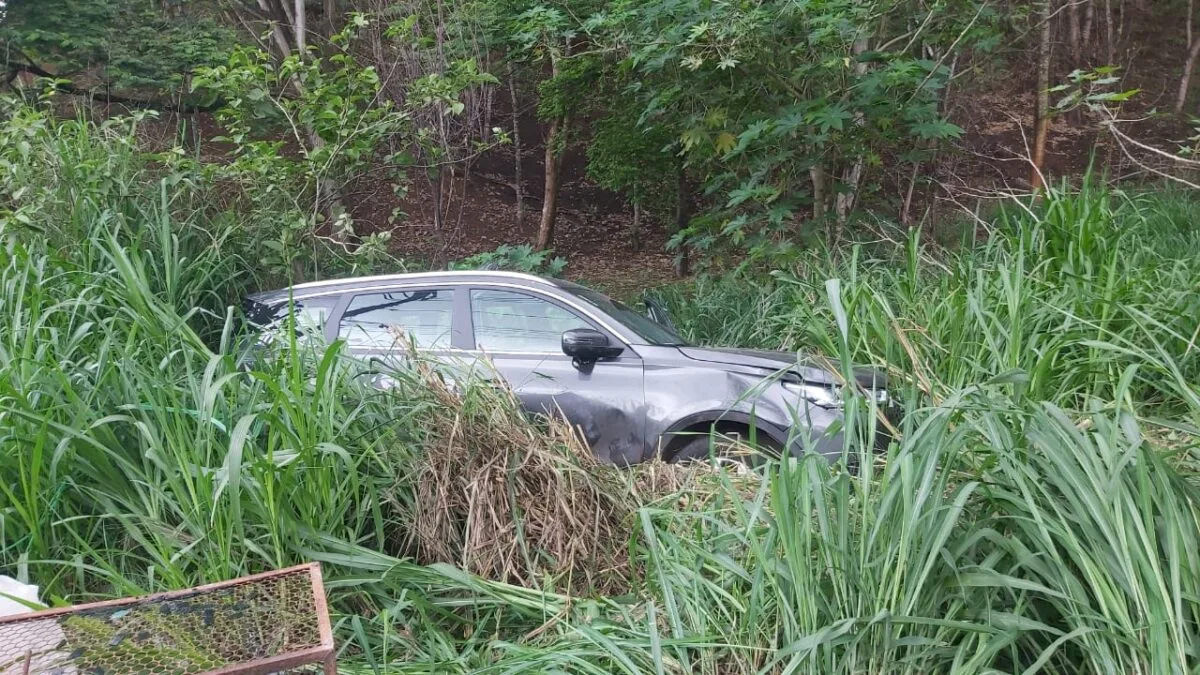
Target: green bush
(519, 258)
(67, 179)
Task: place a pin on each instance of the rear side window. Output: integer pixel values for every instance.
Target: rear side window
(389, 320)
(308, 315)
(515, 322)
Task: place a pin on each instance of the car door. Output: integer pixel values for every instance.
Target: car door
(520, 332)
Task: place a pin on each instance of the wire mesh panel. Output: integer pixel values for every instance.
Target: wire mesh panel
(268, 623)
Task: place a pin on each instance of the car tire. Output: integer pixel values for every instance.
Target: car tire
(723, 449)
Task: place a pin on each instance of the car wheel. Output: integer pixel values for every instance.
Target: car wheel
(722, 448)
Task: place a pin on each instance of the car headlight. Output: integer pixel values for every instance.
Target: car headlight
(831, 397)
(818, 395)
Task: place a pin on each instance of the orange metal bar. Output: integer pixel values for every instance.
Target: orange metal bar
(324, 653)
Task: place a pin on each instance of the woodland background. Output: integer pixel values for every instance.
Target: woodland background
(631, 137)
(995, 202)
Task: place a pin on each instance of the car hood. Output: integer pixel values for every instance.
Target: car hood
(808, 368)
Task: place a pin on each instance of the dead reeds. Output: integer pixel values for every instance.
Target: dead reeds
(516, 501)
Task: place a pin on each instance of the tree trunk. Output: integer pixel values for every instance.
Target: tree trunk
(851, 177)
(329, 9)
(1073, 33)
(329, 199)
(1042, 114)
(301, 23)
(635, 229)
(1109, 47)
(1121, 27)
(284, 17)
(906, 205)
(817, 174)
(518, 180)
(683, 216)
(1089, 20)
(437, 186)
(278, 24)
(442, 196)
(555, 136)
(1185, 81)
(847, 196)
(1189, 63)
(286, 11)
(553, 161)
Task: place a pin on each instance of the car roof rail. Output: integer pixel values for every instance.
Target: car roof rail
(417, 276)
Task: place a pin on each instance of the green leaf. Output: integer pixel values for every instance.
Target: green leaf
(724, 142)
(937, 130)
(830, 117)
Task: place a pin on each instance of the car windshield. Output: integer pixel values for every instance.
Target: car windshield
(651, 331)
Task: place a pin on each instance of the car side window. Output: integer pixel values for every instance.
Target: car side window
(388, 320)
(307, 315)
(508, 321)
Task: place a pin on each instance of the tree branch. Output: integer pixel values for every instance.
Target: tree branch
(61, 87)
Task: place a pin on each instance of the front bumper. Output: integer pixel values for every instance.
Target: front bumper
(824, 433)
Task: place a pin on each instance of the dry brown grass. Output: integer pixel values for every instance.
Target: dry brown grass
(528, 503)
(517, 502)
(696, 491)
(692, 485)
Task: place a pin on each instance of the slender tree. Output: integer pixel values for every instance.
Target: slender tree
(1073, 28)
(288, 21)
(1189, 64)
(554, 151)
(518, 178)
(1042, 113)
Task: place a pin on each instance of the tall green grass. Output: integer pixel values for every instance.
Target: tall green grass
(1070, 291)
(1066, 551)
(1022, 522)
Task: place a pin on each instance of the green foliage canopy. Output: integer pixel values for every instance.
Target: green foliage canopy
(755, 95)
(116, 44)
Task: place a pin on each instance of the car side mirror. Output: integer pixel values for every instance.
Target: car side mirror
(588, 345)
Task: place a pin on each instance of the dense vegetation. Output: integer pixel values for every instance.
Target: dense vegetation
(1086, 294)
(734, 131)
(1039, 511)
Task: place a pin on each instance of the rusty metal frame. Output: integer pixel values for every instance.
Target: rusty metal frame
(325, 653)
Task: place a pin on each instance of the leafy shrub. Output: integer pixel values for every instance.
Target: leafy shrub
(331, 111)
(125, 44)
(519, 258)
(73, 176)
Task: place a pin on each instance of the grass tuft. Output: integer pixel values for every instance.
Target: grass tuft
(514, 502)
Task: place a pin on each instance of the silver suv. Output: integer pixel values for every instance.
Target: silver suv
(630, 383)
